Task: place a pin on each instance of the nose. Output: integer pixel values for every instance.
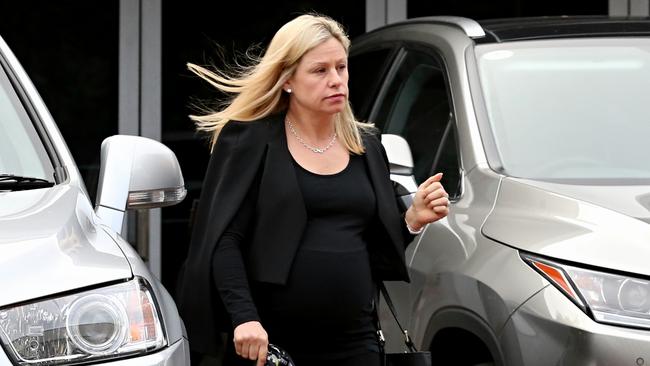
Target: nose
(334, 79)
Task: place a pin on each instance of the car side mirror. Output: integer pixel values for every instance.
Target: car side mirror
(400, 162)
(399, 154)
(136, 173)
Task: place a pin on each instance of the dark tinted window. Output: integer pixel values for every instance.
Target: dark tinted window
(416, 106)
(366, 71)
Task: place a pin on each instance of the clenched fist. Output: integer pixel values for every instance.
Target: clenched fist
(251, 341)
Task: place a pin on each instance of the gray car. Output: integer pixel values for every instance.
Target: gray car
(72, 290)
(541, 129)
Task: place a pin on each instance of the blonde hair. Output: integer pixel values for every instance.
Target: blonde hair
(257, 89)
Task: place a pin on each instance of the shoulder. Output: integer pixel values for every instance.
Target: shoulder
(371, 137)
(255, 131)
(372, 143)
(232, 128)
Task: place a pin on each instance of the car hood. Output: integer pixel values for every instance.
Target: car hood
(604, 226)
(51, 242)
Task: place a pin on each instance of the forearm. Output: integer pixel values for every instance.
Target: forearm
(230, 278)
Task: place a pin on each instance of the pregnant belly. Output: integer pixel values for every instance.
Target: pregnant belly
(325, 290)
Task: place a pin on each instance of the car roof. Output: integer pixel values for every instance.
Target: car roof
(517, 29)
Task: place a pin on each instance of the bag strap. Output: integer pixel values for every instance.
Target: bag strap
(407, 340)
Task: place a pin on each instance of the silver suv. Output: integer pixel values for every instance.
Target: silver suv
(541, 129)
(73, 291)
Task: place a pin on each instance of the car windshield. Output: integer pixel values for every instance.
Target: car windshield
(21, 150)
(569, 109)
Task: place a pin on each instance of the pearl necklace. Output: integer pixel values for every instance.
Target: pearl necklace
(308, 146)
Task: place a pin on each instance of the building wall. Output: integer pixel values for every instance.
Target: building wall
(69, 48)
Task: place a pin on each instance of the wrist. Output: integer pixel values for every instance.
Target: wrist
(412, 224)
(245, 319)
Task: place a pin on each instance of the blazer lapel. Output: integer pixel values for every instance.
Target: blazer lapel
(282, 214)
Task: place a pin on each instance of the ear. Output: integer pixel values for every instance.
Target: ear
(286, 86)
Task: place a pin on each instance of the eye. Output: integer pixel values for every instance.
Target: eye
(320, 70)
(342, 66)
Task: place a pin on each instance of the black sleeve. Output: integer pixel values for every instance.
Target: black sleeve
(406, 234)
(228, 269)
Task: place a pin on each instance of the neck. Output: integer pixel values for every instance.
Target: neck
(315, 127)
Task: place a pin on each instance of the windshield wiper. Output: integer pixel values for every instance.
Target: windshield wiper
(13, 182)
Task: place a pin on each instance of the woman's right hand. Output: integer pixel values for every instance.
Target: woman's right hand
(251, 341)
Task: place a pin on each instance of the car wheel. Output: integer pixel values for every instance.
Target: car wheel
(458, 347)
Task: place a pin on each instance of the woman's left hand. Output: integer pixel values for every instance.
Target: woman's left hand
(430, 203)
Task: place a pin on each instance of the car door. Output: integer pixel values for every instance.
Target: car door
(413, 101)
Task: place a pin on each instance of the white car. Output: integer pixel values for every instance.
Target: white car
(72, 290)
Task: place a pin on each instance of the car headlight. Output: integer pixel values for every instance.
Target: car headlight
(107, 322)
(607, 297)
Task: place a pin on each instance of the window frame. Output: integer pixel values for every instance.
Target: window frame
(365, 109)
(59, 172)
(433, 52)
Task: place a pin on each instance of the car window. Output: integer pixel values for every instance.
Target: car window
(416, 106)
(21, 150)
(569, 109)
(447, 162)
(366, 71)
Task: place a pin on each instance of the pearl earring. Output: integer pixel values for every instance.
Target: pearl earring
(289, 90)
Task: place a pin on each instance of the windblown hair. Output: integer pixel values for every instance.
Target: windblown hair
(256, 90)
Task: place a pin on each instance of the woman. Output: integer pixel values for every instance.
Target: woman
(298, 219)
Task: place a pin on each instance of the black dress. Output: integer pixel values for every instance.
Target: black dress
(324, 314)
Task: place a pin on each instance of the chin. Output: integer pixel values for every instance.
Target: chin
(334, 110)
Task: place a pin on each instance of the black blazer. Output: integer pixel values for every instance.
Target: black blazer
(251, 152)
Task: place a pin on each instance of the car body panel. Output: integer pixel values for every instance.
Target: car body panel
(50, 243)
(628, 197)
(175, 354)
(565, 228)
(551, 330)
(450, 257)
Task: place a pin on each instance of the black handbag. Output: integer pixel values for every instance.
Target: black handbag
(276, 356)
(411, 357)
